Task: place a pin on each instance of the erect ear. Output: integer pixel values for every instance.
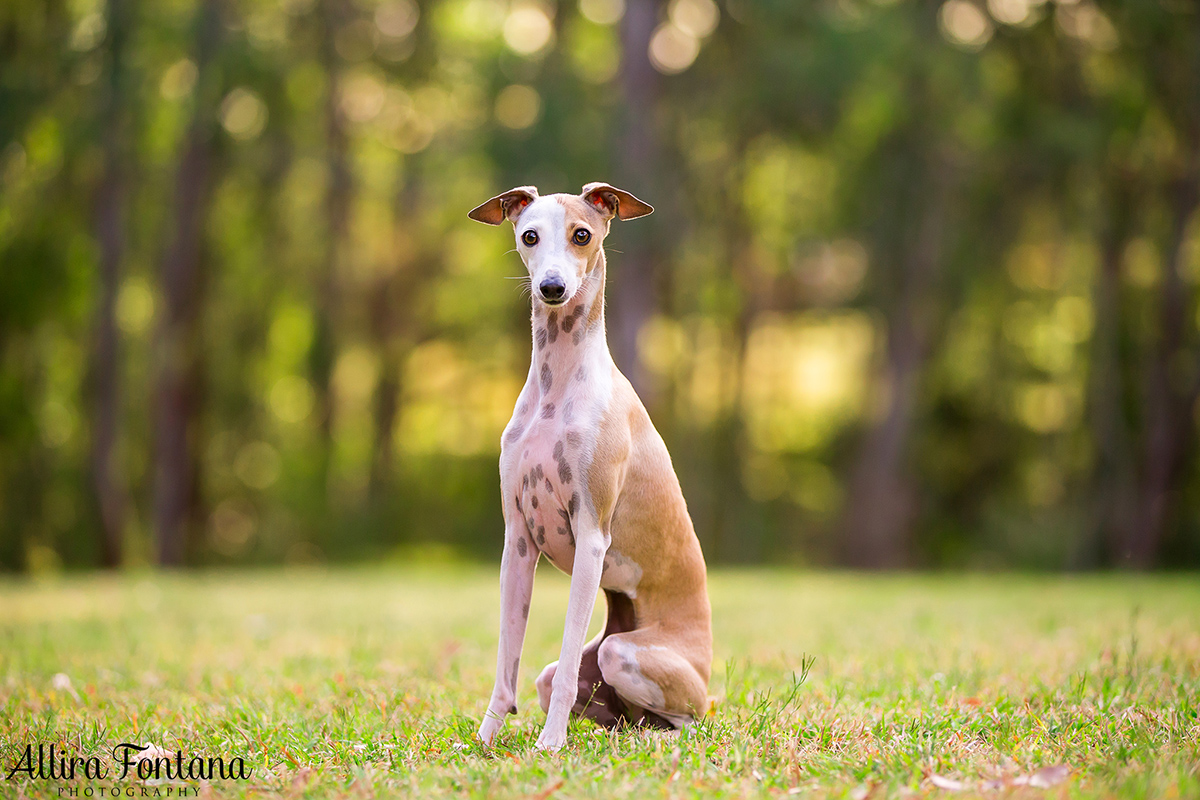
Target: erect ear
(505, 206)
(613, 202)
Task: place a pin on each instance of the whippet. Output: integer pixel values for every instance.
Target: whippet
(587, 481)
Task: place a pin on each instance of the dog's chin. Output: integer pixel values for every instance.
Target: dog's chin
(554, 303)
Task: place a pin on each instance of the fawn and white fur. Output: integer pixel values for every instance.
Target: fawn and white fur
(587, 482)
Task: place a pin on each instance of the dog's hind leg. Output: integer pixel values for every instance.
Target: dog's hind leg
(659, 685)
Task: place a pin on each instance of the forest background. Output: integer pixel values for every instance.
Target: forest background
(920, 291)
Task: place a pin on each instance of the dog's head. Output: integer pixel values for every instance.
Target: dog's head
(560, 236)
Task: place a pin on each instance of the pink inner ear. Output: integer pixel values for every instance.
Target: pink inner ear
(599, 203)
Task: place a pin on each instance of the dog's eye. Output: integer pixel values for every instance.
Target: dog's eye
(582, 236)
(529, 238)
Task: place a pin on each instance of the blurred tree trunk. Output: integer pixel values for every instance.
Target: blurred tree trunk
(1113, 478)
(105, 368)
(880, 499)
(1169, 392)
(1170, 380)
(178, 380)
(635, 279)
(391, 315)
(338, 196)
(729, 499)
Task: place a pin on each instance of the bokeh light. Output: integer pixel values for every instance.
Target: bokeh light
(518, 106)
(964, 24)
(243, 114)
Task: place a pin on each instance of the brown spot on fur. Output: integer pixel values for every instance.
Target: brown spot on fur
(561, 530)
(552, 326)
(579, 373)
(548, 411)
(536, 473)
(522, 547)
(533, 501)
(569, 411)
(547, 378)
(549, 485)
(574, 438)
(564, 469)
(525, 611)
(540, 336)
(518, 499)
(569, 323)
(514, 433)
(573, 505)
(541, 536)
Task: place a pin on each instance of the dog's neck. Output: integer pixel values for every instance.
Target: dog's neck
(569, 341)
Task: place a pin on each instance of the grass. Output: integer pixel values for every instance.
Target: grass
(371, 682)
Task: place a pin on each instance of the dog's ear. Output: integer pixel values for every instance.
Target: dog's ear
(613, 202)
(505, 206)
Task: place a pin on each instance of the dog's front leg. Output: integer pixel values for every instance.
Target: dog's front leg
(517, 565)
(590, 547)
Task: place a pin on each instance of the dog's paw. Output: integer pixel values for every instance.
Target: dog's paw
(489, 728)
(550, 742)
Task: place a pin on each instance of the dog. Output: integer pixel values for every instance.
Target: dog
(587, 482)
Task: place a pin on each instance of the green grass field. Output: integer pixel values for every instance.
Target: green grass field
(370, 683)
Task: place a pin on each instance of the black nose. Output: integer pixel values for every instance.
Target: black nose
(553, 289)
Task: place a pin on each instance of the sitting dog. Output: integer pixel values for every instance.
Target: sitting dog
(587, 482)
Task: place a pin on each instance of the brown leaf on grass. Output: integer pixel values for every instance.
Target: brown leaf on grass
(865, 791)
(362, 788)
(301, 779)
(949, 784)
(549, 790)
(1045, 777)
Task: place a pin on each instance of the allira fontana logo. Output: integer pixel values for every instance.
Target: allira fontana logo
(128, 762)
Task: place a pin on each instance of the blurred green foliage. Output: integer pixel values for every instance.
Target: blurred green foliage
(923, 276)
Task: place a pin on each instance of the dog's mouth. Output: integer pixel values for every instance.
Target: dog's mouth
(551, 300)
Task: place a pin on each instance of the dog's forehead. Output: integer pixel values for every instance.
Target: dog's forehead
(543, 211)
(566, 210)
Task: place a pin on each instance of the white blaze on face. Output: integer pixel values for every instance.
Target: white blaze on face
(552, 254)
